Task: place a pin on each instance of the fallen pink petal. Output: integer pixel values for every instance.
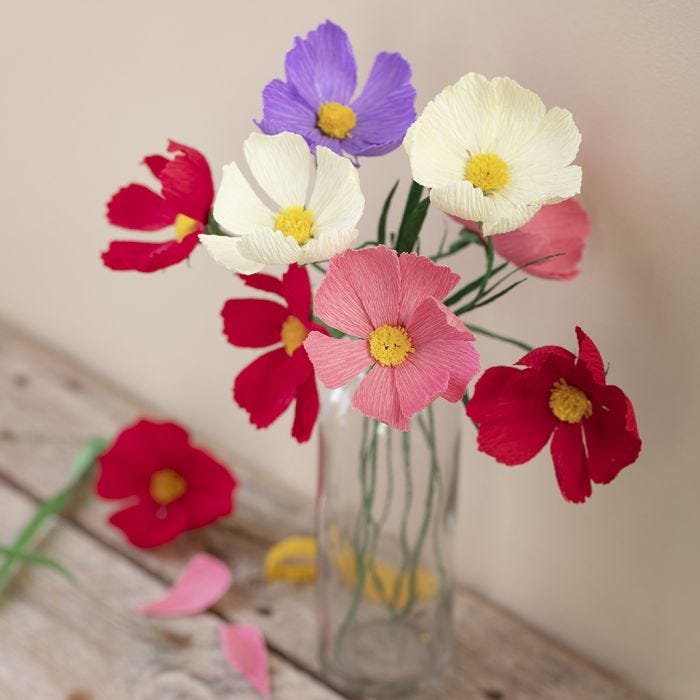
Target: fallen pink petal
(203, 582)
(245, 649)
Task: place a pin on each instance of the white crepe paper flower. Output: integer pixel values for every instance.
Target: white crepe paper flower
(490, 152)
(296, 229)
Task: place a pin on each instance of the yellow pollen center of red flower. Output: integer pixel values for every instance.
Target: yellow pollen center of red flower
(295, 222)
(488, 172)
(167, 486)
(336, 120)
(390, 345)
(184, 226)
(568, 403)
(293, 334)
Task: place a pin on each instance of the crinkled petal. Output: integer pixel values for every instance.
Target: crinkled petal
(237, 208)
(421, 278)
(148, 257)
(138, 208)
(263, 282)
(147, 526)
(244, 648)
(589, 357)
(536, 358)
(187, 182)
(378, 398)
(326, 246)
(296, 289)
(336, 201)
(281, 165)
(420, 379)
(336, 360)
(285, 110)
(269, 247)
(570, 463)
(306, 410)
(226, 251)
(432, 320)
(155, 163)
(253, 323)
(321, 68)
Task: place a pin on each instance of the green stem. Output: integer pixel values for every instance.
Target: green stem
(497, 336)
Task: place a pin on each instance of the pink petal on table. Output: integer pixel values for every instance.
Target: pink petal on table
(244, 648)
(203, 581)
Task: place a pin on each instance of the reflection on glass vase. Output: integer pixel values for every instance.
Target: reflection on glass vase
(385, 516)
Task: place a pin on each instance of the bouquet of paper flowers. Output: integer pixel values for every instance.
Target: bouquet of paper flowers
(388, 326)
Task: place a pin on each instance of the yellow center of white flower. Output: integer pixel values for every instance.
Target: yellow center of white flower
(336, 120)
(184, 226)
(293, 334)
(296, 222)
(568, 403)
(167, 486)
(488, 172)
(390, 345)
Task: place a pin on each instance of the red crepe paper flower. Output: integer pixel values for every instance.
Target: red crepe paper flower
(186, 197)
(592, 424)
(171, 486)
(267, 386)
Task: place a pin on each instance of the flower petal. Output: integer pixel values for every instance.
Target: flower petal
(226, 251)
(378, 398)
(326, 246)
(306, 410)
(244, 648)
(284, 110)
(296, 290)
(237, 208)
(570, 463)
(539, 356)
(321, 68)
(145, 528)
(138, 208)
(432, 320)
(589, 357)
(187, 183)
(253, 323)
(148, 257)
(336, 201)
(419, 381)
(203, 581)
(269, 247)
(281, 165)
(336, 360)
(155, 164)
(265, 283)
(421, 278)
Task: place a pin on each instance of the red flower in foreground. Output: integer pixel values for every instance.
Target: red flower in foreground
(267, 386)
(593, 425)
(171, 486)
(187, 192)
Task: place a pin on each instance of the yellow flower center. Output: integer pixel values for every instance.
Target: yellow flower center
(167, 486)
(336, 120)
(568, 403)
(293, 334)
(488, 172)
(184, 226)
(295, 222)
(390, 345)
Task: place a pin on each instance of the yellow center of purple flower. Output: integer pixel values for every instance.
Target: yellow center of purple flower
(166, 486)
(336, 120)
(295, 222)
(488, 172)
(568, 403)
(390, 345)
(184, 226)
(293, 334)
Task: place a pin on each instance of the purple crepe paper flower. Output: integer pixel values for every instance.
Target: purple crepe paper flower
(317, 99)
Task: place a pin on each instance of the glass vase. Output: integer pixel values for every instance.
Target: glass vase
(385, 517)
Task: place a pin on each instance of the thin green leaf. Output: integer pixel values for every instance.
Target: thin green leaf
(488, 300)
(409, 234)
(38, 560)
(497, 336)
(521, 267)
(475, 284)
(381, 232)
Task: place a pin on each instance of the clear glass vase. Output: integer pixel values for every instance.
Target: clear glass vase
(385, 517)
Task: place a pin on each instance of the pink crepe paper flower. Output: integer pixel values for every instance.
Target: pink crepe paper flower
(416, 348)
(556, 229)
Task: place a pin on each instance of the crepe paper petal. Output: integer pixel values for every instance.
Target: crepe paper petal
(244, 648)
(292, 559)
(203, 582)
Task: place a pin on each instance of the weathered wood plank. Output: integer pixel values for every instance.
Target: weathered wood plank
(497, 656)
(55, 642)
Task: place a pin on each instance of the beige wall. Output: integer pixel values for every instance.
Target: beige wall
(87, 88)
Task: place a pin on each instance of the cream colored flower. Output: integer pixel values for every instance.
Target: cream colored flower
(294, 230)
(490, 152)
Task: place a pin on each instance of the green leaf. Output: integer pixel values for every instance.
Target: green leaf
(412, 226)
(497, 336)
(38, 560)
(468, 288)
(381, 233)
(484, 302)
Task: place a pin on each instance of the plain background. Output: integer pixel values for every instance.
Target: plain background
(88, 88)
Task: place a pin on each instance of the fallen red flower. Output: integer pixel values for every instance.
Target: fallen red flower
(171, 486)
(187, 193)
(592, 424)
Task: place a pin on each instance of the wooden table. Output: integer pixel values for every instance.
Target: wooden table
(57, 643)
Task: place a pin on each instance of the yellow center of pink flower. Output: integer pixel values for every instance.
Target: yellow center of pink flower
(390, 345)
(488, 172)
(167, 486)
(296, 222)
(336, 120)
(293, 334)
(568, 403)
(184, 226)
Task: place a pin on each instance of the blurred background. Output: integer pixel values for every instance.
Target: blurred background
(89, 88)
